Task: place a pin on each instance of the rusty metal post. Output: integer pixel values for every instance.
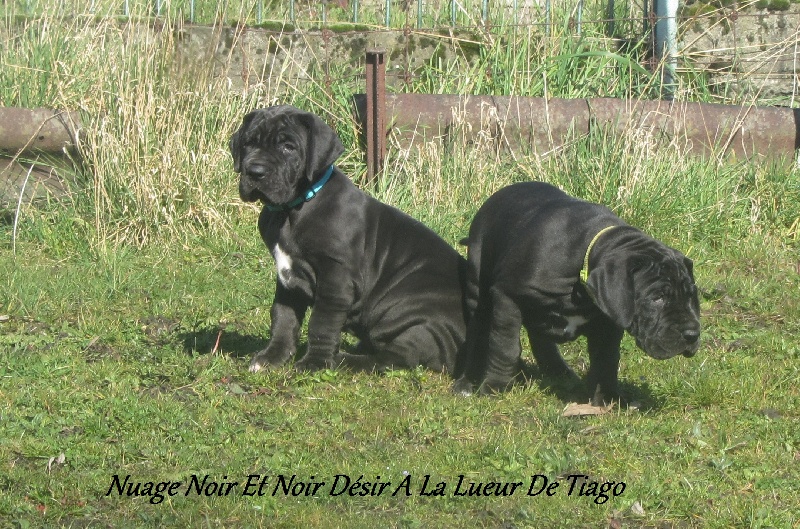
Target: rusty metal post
(376, 112)
(541, 125)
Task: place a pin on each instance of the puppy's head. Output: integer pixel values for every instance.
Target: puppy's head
(652, 294)
(280, 151)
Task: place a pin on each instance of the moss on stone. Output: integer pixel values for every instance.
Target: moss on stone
(345, 27)
(778, 5)
(273, 25)
(701, 8)
(358, 47)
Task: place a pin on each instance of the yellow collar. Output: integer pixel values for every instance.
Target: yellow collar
(585, 269)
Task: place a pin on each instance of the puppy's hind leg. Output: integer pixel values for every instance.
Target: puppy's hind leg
(363, 360)
(424, 344)
(503, 349)
(470, 365)
(471, 358)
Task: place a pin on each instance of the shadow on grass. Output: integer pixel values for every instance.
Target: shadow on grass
(572, 388)
(6, 217)
(238, 345)
(205, 341)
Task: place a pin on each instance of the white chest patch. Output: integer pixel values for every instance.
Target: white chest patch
(284, 264)
(573, 322)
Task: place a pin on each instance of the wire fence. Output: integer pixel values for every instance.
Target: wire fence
(740, 45)
(308, 14)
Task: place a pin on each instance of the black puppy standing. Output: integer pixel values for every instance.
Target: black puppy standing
(563, 267)
(360, 265)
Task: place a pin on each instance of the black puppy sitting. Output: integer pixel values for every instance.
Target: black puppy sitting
(562, 267)
(362, 266)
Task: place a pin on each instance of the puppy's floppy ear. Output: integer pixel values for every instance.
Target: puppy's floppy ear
(611, 288)
(694, 300)
(324, 146)
(689, 266)
(236, 143)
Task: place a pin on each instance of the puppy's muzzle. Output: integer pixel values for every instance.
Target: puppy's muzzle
(691, 336)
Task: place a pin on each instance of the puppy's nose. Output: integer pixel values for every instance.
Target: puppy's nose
(691, 335)
(256, 171)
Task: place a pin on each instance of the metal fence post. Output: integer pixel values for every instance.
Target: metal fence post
(666, 33)
(516, 13)
(547, 21)
(376, 112)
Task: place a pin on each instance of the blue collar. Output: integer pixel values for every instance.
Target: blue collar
(311, 193)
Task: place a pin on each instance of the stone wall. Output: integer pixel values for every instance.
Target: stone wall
(249, 56)
(752, 52)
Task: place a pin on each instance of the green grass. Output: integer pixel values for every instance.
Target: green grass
(116, 365)
(128, 314)
(134, 362)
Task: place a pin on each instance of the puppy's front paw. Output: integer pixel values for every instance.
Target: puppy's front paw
(314, 363)
(268, 358)
(605, 397)
(255, 365)
(464, 387)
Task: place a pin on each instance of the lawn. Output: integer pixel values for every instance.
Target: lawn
(129, 311)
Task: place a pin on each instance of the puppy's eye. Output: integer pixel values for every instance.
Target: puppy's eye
(660, 297)
(288, 147)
